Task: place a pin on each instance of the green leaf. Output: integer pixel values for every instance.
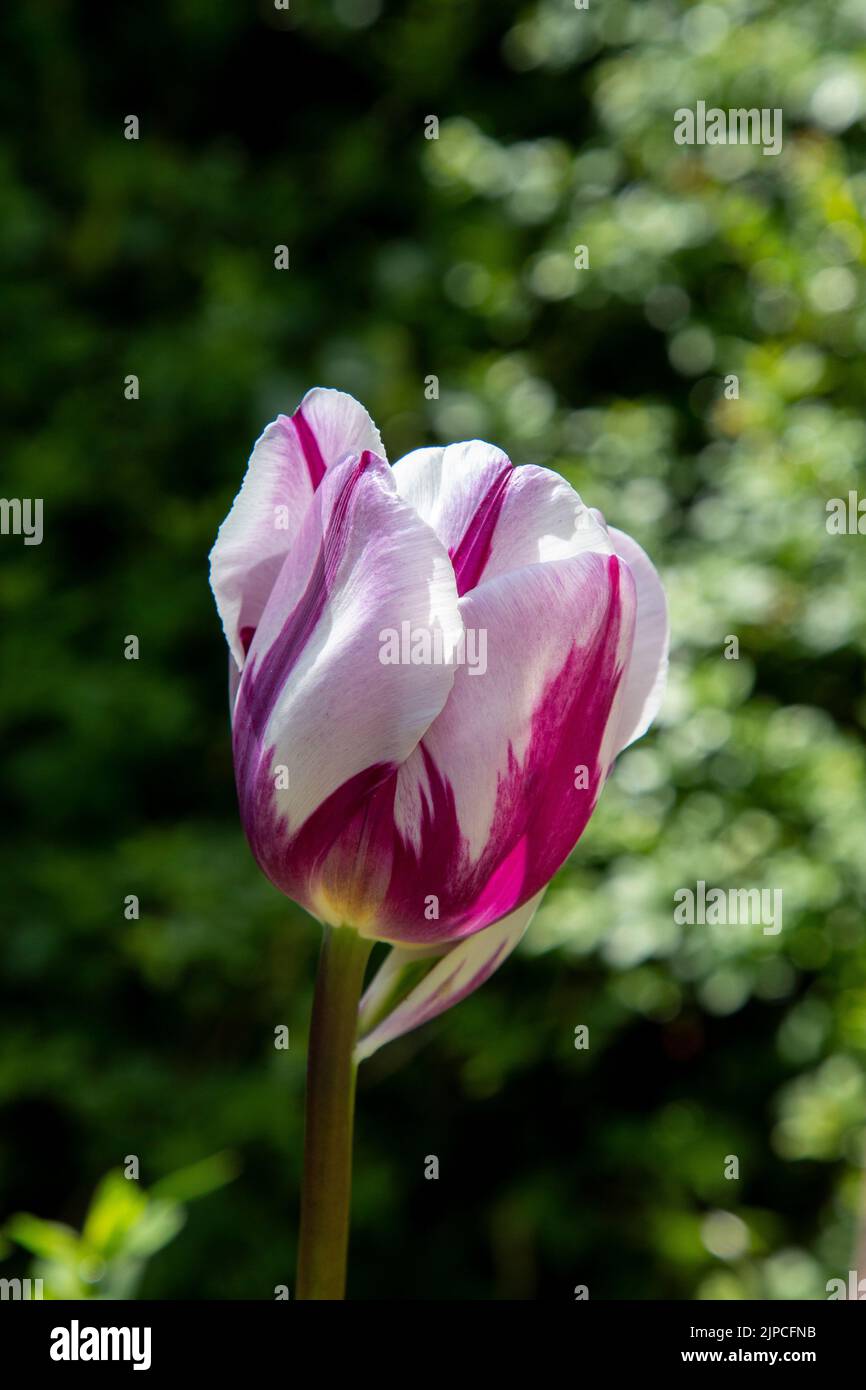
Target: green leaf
(50, 1240)
(117, 1206)
(158, 1225)
(198, 1179)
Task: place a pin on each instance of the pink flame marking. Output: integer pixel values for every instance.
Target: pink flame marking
(309, 447)
(265, 676)
(472, 552)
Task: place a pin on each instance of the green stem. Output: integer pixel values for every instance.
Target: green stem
(331, 1072)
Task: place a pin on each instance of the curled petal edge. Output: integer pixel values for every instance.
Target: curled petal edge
(415, 984)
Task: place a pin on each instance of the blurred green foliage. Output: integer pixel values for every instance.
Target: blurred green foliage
(124, 1227)
(453, 257)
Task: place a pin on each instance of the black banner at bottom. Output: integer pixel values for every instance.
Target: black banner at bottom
(82, 1339)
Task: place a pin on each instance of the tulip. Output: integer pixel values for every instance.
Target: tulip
(391, 781)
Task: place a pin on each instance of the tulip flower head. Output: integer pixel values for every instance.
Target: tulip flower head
(433, 666)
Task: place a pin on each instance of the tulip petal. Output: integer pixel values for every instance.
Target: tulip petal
(413, 985)
(286, 466)
(458, 490)
(493, 517)
(542, 518)
(318, 715)
(497, 793)
(646, 677)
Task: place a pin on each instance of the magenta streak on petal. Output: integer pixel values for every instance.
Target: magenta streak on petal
(504, 885)
(472, 552)
(335, 833)
(539, 814)
(310, 447)
(351, 843)
(443, 990)
(442, 997)
(268, 677)
(265, 677)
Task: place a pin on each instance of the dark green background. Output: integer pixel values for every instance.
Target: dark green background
(452, 257)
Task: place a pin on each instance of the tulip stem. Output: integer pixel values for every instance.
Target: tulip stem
(331, 1073)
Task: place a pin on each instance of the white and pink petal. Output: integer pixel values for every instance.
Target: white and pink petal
(458, 490)
(287, 464)
(414, 985)
(495, 518)
(319, 721)
(488, 806)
